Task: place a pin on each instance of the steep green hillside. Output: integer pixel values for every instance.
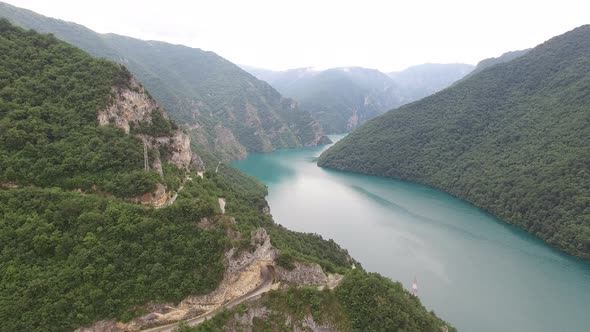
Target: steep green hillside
(69, 258)
(228, 110)
(73, 249)
(419, 81)
(512, 139)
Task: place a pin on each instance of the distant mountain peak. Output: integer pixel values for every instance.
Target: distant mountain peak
(505, 57)
(341, 98)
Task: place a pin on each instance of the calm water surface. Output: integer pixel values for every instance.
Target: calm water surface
(472, 270)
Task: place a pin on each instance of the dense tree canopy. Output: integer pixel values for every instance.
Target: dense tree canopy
(512, 139)
(375, 303)
(68, 259)
(50, 93)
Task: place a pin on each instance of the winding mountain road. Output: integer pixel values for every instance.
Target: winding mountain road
(263, 287)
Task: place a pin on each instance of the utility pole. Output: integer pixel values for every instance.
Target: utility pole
(146, 163)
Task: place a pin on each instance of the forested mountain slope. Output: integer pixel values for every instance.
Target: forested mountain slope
(227, 110)
(512, 139)
(74, 248)
(70, 249)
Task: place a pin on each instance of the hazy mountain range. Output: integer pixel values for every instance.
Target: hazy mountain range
(343, 98)
(419, 81)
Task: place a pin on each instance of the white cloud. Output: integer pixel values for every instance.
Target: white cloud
(388, 35)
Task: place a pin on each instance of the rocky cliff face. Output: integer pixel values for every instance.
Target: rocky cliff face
(157, 198)
(318, 136)
(132, 107)
(307, 274)
(247, 321)
(263, 125)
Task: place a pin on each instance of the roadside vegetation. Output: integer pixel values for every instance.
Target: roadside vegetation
(362, 302)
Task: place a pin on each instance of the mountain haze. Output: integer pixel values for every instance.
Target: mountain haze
(419, 81)
(340, 98)
(227, 110)
(512, 139)
(506, 57)
(343, 98)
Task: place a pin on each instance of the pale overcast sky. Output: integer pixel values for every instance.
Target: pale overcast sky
(274, 34)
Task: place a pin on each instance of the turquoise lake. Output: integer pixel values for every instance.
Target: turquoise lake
(473, 270)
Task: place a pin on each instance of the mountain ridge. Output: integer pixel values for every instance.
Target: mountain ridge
(505, 57)
(227, 110)
(342, 98)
